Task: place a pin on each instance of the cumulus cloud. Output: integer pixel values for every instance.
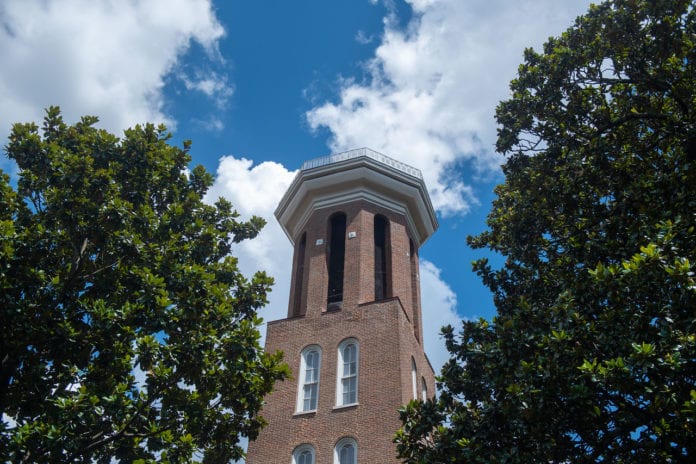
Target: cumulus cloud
(210, 124)
(432, 87)
(211, 84)
(100, 57)
(439, 308)
(257, 190)
(364, 39)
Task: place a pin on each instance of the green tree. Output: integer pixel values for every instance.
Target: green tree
(592, 354)
(128, 332)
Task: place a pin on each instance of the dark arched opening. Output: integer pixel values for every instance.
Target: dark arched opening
(381, 237)
(299, 276)
(413, 256)
(336, 259)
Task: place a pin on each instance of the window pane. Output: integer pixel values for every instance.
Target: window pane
(312, 366)
(313, 399)
(310, 397)
(349, 353)
(310, 375)
(347, 454)
(313, 358)
(349, 390)
(308, 391)
(349, 398)
(350, 365)
(349, 369)
(305, 458)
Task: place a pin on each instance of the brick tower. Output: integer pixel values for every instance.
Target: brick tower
(353, 336)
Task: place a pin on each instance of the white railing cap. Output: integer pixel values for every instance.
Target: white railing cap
(362, 153)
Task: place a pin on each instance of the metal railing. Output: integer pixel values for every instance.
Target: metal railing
(362, 153)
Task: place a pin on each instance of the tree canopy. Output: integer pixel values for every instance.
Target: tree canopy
(592, 354)
(128, 333)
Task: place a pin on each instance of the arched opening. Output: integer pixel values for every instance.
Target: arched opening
(381, 238)
(346, 451)
(413, 256)
(303, 454)
(299, 277)
(336, 260)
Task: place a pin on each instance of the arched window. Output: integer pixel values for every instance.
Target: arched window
(424, 389)
(346, 452)
(303, 454)
(414, 378)
(299, 276)
(381, 238)
(336, 258)
(308, 391)
(347, 382)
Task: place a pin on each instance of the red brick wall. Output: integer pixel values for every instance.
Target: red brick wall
(386, 344)
(358, 286)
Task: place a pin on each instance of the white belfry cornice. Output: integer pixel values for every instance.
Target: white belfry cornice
(361, 174)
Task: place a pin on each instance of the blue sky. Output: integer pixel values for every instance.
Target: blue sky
(260, 86)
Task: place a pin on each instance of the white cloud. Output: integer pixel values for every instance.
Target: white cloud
(439, 309)
(257, 190)
(211, 123)
(210, 84)
(363, 39)
(432, 87)
(103, 57)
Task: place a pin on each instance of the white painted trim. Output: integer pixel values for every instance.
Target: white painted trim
(342, 442)
(301, 449)
(299, 404)
(339, 373)
(361, 178)
(414, 378)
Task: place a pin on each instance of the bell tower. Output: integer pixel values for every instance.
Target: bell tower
(353, 337)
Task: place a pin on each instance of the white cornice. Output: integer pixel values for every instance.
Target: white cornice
(358, 177)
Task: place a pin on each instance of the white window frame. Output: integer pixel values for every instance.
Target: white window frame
(300, 407)
(340, 372)
(300, 450)
(424, 389)
(414, 378)
(339, 446)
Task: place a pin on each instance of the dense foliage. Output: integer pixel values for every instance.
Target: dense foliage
(592, 355)
(128, 332)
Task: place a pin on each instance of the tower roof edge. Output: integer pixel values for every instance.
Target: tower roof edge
(357, 174)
